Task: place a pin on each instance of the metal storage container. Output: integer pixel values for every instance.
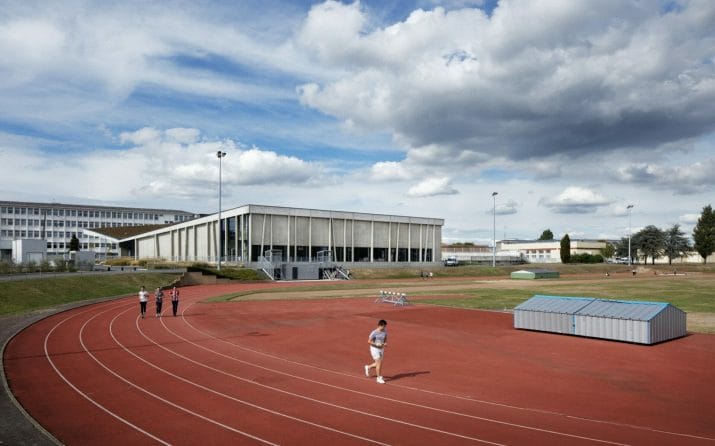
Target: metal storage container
(629, 321)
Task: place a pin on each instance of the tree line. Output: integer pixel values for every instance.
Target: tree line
(653, 242)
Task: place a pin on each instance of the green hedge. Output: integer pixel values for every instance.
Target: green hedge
(244, 274)
(586, 258)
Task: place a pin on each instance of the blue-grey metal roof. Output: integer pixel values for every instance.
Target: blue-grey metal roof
(588, 306)
(615, 309)
(537, 270)
(554, 304)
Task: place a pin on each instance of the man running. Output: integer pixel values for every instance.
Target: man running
(377, 342)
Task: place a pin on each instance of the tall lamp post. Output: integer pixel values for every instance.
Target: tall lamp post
(494, 229)
(220, 155)
(629, 207)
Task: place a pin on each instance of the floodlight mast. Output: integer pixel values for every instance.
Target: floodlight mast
(494, 229)
(219, 155)
(629, 207)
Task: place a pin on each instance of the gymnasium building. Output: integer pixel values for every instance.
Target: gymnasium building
(284, 237)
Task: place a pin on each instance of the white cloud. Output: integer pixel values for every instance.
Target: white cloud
(689, 219)
(576, 200)
(508, 208)
(536, 79)
(431, 187)
(172, 164)
(389, 171)
(697, 176)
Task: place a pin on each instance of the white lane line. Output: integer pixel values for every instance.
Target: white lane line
(84, 395)
(384, 398)
(144, 390)
(446, 395)
(285, 392)
(208, 389)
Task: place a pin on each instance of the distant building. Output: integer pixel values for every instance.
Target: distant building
(465, 254)
(546, 251)
(56, 223)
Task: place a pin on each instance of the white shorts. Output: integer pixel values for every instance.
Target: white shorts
(376, 353)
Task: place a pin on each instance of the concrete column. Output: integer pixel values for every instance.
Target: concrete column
(420, 248)
(409, 242)
(397, 244)
(389, 242)
(249, 238)
(288, 242)
(372, 240)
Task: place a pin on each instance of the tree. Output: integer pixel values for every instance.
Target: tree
(650, 242)
(622, 247)
(704, 233)
(565, 249)
(609, 250)
(675, 243)
(547, 235)
(74, 243)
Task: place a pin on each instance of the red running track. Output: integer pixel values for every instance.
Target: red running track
(290, 372)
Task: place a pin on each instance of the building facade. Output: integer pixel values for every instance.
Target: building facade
(546, 251)
(254, 233)
(56, 223)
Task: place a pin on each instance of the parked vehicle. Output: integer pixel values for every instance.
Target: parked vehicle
(451, 261)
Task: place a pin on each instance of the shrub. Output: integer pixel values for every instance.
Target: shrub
(586, 258)
(245, 274)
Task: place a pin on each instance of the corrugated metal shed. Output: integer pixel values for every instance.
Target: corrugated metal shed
(549, 313)
(630, 321)
(534, 274)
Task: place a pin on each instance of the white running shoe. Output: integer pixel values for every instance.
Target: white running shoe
(367, 371)
(380, 380)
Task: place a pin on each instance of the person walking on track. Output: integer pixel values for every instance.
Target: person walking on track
(159, 296)
(143, 298)
(377, 342)
(174, 300)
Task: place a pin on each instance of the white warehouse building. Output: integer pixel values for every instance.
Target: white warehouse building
(546, 251)
(253, 233)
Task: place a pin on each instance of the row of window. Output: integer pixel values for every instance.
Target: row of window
(21, 233)
(83, 246)
(83, 213)
(58, 223)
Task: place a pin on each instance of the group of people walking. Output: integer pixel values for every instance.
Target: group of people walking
(159, 299)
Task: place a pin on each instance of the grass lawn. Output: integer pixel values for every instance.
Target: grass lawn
(27, 295)
(692, 293)
(689, 294)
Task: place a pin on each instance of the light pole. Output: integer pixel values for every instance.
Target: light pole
(494, 229)
(220, 155)
(629, 207)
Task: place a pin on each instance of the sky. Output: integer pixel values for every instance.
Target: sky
(570, 110)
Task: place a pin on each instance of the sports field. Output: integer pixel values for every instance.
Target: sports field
(283, 364)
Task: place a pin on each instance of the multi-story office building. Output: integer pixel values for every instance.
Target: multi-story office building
(57, 223)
